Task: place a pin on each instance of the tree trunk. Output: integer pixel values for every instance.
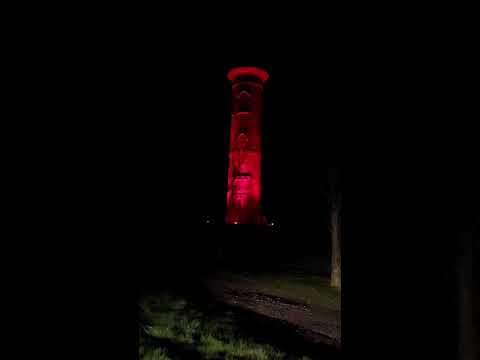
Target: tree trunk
(468, 346)
(335, 280)
(219, 254)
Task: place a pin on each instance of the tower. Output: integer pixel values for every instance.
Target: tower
(245, 154)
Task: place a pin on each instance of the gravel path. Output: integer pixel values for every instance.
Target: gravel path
(317, 324)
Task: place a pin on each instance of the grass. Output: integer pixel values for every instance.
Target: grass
(169, 319)
(211, 346)
(156, 354)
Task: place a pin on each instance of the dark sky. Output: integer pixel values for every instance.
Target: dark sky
(180, 123)
(151, 114)
(160, 108)
(383, 109)
(146, 115)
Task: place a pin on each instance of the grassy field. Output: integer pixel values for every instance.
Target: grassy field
(172, 327)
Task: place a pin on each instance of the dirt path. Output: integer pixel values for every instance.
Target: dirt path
(317, 324)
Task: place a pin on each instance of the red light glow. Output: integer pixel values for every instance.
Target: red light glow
(249, 71)
(244, 181)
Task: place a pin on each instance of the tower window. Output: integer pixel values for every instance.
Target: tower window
(244, 101)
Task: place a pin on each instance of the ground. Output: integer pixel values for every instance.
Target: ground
(241, 316)
(174, 325)
(307, 302)
(246, 306)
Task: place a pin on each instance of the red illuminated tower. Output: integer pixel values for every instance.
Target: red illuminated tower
(244, 182)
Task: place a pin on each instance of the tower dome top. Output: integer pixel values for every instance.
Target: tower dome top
(247, 71)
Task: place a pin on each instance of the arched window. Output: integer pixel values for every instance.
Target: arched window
(244, 101)
(242, 141)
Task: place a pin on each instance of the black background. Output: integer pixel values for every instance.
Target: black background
(143, 120)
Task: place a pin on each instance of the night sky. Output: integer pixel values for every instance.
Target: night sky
(137, 115)
(390, 116)
(152, 116)
(179, 137)
(387, 111)
(386, 107)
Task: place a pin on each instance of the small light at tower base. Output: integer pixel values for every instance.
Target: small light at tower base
(235, 222)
